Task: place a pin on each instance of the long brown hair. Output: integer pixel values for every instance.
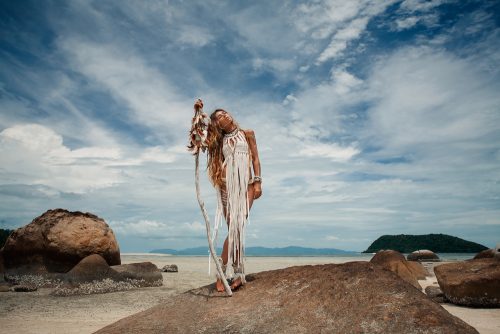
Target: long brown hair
(215, 140)
(215, 157)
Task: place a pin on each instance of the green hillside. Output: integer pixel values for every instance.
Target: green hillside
(438, 243)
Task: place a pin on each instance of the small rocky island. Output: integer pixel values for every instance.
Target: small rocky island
(438, 243)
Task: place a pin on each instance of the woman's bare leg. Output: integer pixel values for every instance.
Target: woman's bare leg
(224, 255)
(250, 193)
(218, 284)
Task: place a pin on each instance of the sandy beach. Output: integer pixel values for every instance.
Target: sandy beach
(38, 312)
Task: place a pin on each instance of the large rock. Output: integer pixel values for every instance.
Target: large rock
(394, 261)
(435, 293)
(423, 255)
(143, 271)
(92, 268)
(486, 254)
(471, 283)
(93, 275)
(355, 297)
(170, 268)
(57, 240)
(489, 253)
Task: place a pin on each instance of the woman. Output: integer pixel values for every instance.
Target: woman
(232, 156)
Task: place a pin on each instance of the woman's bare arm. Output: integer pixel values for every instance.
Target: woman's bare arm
(252, 144)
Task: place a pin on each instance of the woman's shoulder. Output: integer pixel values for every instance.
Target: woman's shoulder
(248, 132)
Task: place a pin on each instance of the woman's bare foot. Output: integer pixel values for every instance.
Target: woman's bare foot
(219, 285)
(236, 283)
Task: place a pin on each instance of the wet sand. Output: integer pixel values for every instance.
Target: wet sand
(38, 312)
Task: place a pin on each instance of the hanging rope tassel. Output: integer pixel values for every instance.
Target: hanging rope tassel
(236, 153)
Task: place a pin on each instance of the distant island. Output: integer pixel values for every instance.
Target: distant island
(261, 251)
(438, 243)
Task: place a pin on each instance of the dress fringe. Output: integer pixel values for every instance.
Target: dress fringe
(237, 163)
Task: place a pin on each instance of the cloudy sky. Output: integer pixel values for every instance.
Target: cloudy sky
(371, 117)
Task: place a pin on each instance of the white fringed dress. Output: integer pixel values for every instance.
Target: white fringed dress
(237, 164)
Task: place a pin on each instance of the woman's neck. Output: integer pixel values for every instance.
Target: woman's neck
(231, 129)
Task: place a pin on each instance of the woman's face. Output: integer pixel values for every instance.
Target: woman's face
(224, 121)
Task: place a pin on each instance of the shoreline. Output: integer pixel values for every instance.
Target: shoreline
(38, 312)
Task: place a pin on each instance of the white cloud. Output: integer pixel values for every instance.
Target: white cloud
(34, 154)
(154, 229)
(341, 21)
(289, 99)
(334, 49)
(258, 63)
(151, 99)
(304, 68)
(429, 20)
(276, 65)
(344, 82)
(422, 98)
(158, 154)
(341, 38)
(194, 36)
(420, 5)
(407, 22)
(331, 151)
(323, 17)
(413, 12)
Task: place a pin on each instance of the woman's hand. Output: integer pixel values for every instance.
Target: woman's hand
(257, 190)
(198, 105)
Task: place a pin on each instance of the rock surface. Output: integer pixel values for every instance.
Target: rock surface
(24, 288)
(92, 268)
(423, 255)
(435, 293)
(143, 271)
(489, 253)
(417, 269)
(394, 261)
(170, 268)
(486, 254)
(354, 297)
(56, 241)
(94, 275)
(471, 283)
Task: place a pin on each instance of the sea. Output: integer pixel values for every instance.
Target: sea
(262, 263)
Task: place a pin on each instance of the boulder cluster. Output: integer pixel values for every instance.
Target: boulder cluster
(73, 252)
(474, 282)
(394, 261)
(353, 297)
(423, 255)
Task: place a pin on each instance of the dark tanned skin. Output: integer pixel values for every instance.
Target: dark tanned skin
(226, 123)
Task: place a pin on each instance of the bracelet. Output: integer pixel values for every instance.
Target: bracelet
(257, 178)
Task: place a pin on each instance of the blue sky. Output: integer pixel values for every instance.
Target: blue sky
(371, 117)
